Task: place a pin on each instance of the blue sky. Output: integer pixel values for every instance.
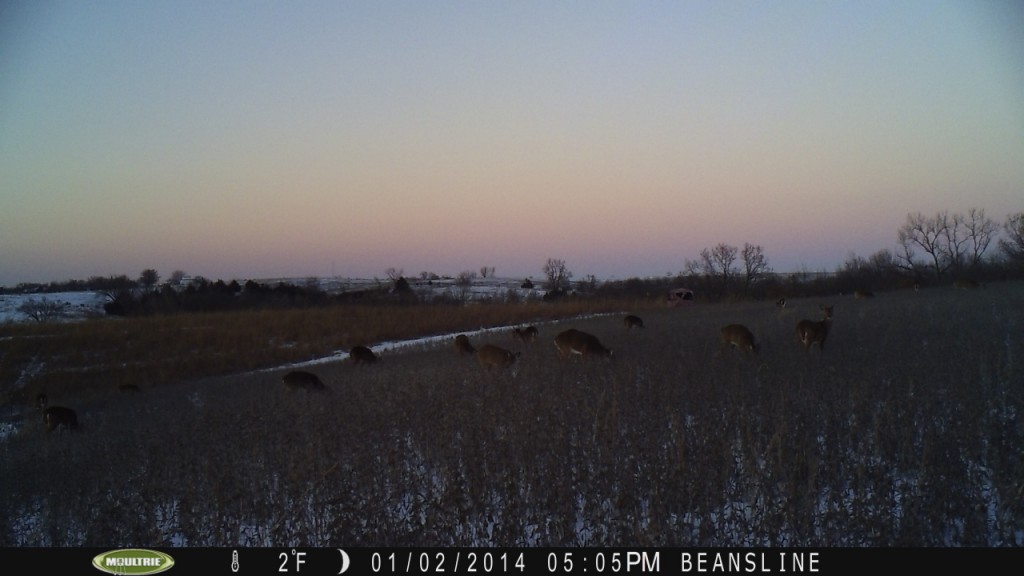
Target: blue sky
(267, 139)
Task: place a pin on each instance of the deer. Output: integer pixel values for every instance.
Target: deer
(780, 303)
(525, 335)
(462, 345)
(574, 342)
(810, 332)
(632, 321)
(490, 356)
(362, 355)
(738, 336)
(302, 380)
(863, 294)
(55, 417)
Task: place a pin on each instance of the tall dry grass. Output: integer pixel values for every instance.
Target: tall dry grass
(84, 359)
(906, 430)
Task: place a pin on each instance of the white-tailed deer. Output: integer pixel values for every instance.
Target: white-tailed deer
(491, 356)
(632, 321)
(462, 345)
(574, 342)
(362, 355)
(780, 303)
(810, 332)
(56, 416)
(302, 380)
(738, 336)
(863, 294)
(525, 335)
(129, 388)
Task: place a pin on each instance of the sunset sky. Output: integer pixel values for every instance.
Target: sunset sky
(257, 139)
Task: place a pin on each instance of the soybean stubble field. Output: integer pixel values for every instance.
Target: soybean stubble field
(905, 430)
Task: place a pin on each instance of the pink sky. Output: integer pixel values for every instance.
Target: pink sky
(236, 140)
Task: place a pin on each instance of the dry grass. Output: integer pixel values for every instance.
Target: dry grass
(79, 360)
(906, 430)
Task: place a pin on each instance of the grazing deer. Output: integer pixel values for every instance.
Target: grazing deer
(573, 341)
(525, 335)
(738, 336)
(302, 380)
(362, 355)
(780, 303)
(810, 332)
(632, 321)
(491, 356)
(462, 345)
(863, 294)
(56, 416)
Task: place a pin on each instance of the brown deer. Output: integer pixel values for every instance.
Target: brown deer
(574, 342)
(632, 321)
(302, 380)
(525, 335)
(810, 332)
(55, 417)
(491, 356)
(738, 336)
(863, 294)
(462, 345)
(362, 355)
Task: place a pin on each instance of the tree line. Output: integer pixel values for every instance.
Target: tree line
(929, 250)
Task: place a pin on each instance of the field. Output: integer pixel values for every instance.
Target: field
(906, 430)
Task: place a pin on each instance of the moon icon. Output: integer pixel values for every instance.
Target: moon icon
(344, 561)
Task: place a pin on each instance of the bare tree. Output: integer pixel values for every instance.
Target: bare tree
(557, 274)
(464, 285)
(487, 271)
(931, 235)
(719, 263)
(979, 231)
(755, 264)
(1013, 244)
(149, 278)
(42, 310)
(882, 262)
(948, 242)
(394, 274)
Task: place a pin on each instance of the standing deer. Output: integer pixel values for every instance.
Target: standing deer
(525, 335)
(632, 321)
(302, 380)
(491, 356)
(462, 345)
(810, 332)
(738, 336)
(574, 342)
(362, 355)
(56, 416)
(863, 294)
(780, 303)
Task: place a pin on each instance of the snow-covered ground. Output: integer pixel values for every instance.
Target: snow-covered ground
(80, 305)
(66, 305)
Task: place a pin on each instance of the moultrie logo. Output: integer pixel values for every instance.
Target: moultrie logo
(133, 561)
